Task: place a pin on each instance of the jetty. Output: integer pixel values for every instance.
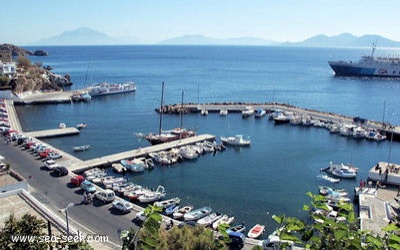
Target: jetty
(140, 152)
(58, 132)
(238, 107)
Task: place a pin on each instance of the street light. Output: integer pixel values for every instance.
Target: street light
(66, 215)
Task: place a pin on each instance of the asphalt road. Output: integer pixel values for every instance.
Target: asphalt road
(56, 193)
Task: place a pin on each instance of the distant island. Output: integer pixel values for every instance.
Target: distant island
(87, 36)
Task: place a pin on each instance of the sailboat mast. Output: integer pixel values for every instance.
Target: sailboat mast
(161, 108)
(181, 111)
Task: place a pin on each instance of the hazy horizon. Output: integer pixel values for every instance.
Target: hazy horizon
(149, 22)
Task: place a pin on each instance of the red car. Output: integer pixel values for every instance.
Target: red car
(77, 180)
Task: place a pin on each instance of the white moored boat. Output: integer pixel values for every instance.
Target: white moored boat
(236, 140)
(183, 210)
(247, 112)
(167, 203)
(256, 231)
(153, 195)
(197, 213)
(225, 219)
(209, 219)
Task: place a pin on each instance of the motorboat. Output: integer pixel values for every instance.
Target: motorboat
(236, 140)
(96, 175)
(375, 135)
(181, 211)
(153, 195)
(109, 180)
(136, 193)
(209, 219)
(171, 209)
(256, 231)
(247, 112)
(188, 152)
(258, 113)
(81, 148)
(224, 219)
(167, 203)
(239, 228)
(81, 125)
(279, 117)
(223, 112)
(333, 166)
(204, 112)
(359, 132)
(344, 173)
(328, 178)
(197, 213)
(134, 165)
(62, 125)
(324, 190)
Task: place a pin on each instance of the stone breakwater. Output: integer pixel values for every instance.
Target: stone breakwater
(237, 107)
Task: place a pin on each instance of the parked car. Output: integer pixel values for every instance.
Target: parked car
(60, 171)
(88, 186)
(123, 206)
(237, 240)
(51, 164)
(140, 216)
(53, 155)
(106, 195)
(77, 180)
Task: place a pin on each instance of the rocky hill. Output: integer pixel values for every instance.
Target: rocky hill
(32, 77)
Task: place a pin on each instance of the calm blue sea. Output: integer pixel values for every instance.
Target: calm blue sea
(270, 177)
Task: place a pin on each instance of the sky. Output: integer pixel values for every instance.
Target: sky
(151, 21)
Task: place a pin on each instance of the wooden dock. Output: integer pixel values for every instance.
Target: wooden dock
(106, 160)
(58, 132)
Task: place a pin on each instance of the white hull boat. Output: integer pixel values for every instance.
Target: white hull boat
(209, 219)
(225, 219)
(179, 214)
(235, 141)
(197, 213)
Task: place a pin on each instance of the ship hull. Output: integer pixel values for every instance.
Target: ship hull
(352, 69)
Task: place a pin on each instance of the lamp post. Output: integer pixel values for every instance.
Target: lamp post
(66, 215)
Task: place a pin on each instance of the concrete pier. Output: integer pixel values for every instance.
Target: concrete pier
(82, 166)
(233, 107)
(53, 133)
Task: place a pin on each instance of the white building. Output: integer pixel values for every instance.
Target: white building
(8, 69)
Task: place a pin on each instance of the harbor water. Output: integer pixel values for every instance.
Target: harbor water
(270, 177)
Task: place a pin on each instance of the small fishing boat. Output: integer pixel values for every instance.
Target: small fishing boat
(344, 173)
(167, 203)
(171, 209)
(328, 178)
(153, 195)
(81, 125)
(247, 112)
(225, 219)
(209, 219)
(240, 228)
(324, 190)
(197, 213)
(81, 148)
(236, 140)
(223, 112)
(181, 211)
(260, 113)
(256, 231)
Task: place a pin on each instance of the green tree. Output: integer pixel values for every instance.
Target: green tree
(324, 232)
(153, 236)
(30, 225)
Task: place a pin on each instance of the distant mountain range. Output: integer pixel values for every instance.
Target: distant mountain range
(87, 36)
(81, 36)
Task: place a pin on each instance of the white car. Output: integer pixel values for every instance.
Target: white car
(140, 216)
(106, 195)
(51, 164)
(54, 155)
(123, 206)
